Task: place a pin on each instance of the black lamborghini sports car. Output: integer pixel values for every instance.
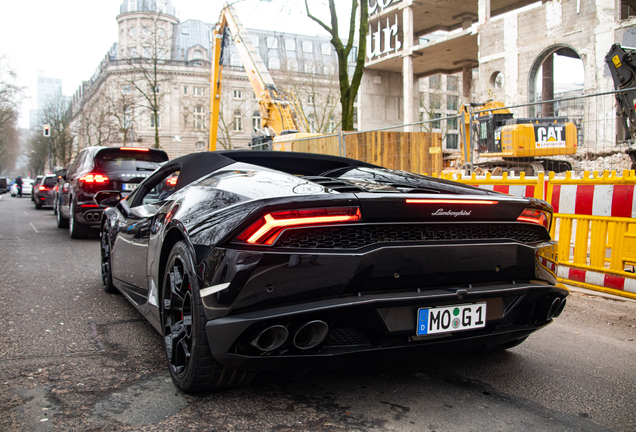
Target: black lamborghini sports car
(247, 261)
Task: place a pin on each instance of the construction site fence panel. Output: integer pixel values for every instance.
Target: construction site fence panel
(594, 224)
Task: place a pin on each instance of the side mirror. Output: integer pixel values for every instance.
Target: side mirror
(107, 198)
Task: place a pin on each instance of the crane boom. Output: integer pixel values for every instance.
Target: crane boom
(279, 109)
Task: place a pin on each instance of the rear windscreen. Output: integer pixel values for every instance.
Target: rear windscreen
(50, 181)
(129, 160)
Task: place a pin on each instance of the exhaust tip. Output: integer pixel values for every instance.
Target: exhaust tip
(554, 308)
(561, 308)
(270, 339)
(310, 334)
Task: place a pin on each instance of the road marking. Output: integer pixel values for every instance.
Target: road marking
(36, 230)
(26, 213)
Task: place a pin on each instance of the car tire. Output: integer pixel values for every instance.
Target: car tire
(55, 206)
(190, 361)
(38, 205)
(76, 230)
(62, 222)
(107, 276)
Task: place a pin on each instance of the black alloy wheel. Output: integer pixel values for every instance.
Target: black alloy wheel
(192, 367)
(76, 230)
(62, 222)
(107, 276)
(55, 206)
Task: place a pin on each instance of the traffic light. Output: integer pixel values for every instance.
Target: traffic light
(46, 130)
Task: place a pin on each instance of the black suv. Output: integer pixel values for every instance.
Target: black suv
(96, 169)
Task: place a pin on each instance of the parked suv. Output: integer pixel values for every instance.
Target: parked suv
(43, 191)
(96, 169)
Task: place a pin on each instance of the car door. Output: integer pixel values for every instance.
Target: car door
(130, 248)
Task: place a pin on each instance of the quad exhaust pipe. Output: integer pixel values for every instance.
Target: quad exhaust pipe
(305, 336)
(556, 308)
(310, 334)
(92, 216)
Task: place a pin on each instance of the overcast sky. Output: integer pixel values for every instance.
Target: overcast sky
(68, 38)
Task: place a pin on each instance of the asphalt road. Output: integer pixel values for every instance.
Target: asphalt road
(75, 358)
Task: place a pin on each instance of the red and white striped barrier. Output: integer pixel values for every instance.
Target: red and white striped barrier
(515, 190)
(598, 279)
(594, 200)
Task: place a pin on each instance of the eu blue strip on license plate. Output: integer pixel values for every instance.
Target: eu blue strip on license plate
(444, 319)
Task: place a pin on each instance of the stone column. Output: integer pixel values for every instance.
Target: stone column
(467, 81)
(547, 110)
(407, 66)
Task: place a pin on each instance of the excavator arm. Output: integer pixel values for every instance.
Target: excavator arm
(279, 109)
(622, 64)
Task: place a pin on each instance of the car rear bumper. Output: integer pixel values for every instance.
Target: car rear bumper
(382, 327)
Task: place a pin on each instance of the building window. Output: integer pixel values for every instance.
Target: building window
(132, 52)
(273, 63)
(237, 94)
(452, 141)
(292, 65)
(332, 125)
(199, 118)
(312, 123)
(237, 121)
(132, 5)
(437, 124)
(255, 40)
(310, 67)
(329, 69)
(147, 52)
(253, 95)
(146, 31)
(311, 99)
(308, 47)
(256, 120)
(452, 102)
(452, 123)
(156, 89)
(132, 31)
(198, 91)
(235, 60)
(153, 118)
(452, 83)
(325, 48)
(185, 30)
(200, 146)
(290, 45)
(435, 82)
(185, 90)
(197, 54)
(272, 42)
(185, 120)
(126, 89)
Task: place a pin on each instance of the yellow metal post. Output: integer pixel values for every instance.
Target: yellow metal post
(215, 87)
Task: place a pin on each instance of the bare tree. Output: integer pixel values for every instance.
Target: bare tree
(317, 93)
(147, 65)
(9, 104)
(37, 151)
(57, 113)
(96, 124)
(348, 88)
(124, 108)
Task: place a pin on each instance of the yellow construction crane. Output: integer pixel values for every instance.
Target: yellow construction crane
(281, 112)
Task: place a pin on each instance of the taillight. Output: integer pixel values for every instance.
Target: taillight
(172, 181)
(141, 149)
(449, 201)
(93, 178)
(535, 216)
(267, 228)
(44, 188)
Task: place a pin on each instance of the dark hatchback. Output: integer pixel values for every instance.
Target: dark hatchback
(43, 194)
(96, 169)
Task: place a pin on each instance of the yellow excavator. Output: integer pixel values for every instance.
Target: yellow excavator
(281, 113)
(517, 144)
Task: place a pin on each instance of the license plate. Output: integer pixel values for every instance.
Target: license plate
(450, 318)
(130, 186)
